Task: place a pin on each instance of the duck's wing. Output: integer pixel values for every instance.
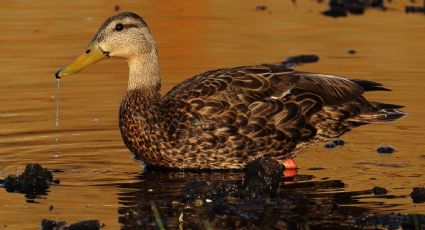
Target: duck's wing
(265, 82)
(265, 108)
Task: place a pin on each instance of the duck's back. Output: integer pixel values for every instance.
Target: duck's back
(228, 117)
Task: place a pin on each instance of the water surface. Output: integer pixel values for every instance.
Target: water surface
(98, 171)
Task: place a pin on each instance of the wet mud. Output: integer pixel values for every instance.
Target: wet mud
(62, 225)
(34, 181)
(343, 8)
(418, 195)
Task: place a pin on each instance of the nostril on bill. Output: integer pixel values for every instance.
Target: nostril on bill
(88, 51)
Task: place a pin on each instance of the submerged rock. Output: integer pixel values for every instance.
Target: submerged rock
(35, 180)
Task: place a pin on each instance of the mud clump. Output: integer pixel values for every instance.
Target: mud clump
(352, 52)
(335, 143)
(61, 225)
(418, 195)
(261, 180)
(379, 191)
(262, 176)
(415, 9)
(34, 181)
(385, 149)
(341, 8)
(392, 221)
(261, 8)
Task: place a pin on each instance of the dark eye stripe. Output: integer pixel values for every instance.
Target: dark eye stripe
(131, 26)
(120, 26)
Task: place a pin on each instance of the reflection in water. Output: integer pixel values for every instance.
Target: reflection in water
(214, 200)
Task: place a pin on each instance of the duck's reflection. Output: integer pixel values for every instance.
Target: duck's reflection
(242, 200)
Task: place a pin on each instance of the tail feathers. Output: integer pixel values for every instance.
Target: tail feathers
(382, 113)
(371, 85)
(380, 105)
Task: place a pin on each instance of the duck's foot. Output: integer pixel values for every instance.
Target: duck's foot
(290, 168)
(289, 164)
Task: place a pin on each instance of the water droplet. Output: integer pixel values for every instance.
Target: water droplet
(57, 101)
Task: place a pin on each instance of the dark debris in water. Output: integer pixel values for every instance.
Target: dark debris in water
(379, 191)
(257, 198)
(352, 51)
(261, 8)
(385, 149)
(335, 143)
(418, 195)
(34, 181)
(392, 221)
(415, 9)
(62, 225)
(341, 8)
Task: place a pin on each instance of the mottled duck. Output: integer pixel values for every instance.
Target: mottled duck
(225, 118)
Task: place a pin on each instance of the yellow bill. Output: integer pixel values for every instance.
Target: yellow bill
(91, 55)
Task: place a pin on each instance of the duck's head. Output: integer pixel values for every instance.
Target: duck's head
(124, 35)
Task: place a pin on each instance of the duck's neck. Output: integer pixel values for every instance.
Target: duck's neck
(144, 72)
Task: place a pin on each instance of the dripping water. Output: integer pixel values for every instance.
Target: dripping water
(57, 116)
(58, 80)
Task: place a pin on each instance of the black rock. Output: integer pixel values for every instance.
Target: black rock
(385, 149)
(379, 191)
(418, 195)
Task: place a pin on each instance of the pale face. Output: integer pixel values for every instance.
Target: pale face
(125, 35)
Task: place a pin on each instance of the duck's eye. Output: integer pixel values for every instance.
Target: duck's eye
(119, 27)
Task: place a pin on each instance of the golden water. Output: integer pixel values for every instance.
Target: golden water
(39, 37)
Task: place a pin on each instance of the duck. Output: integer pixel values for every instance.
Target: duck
(228, 117)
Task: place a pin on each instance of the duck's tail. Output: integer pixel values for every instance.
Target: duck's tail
(379, 112)
(382, 113)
